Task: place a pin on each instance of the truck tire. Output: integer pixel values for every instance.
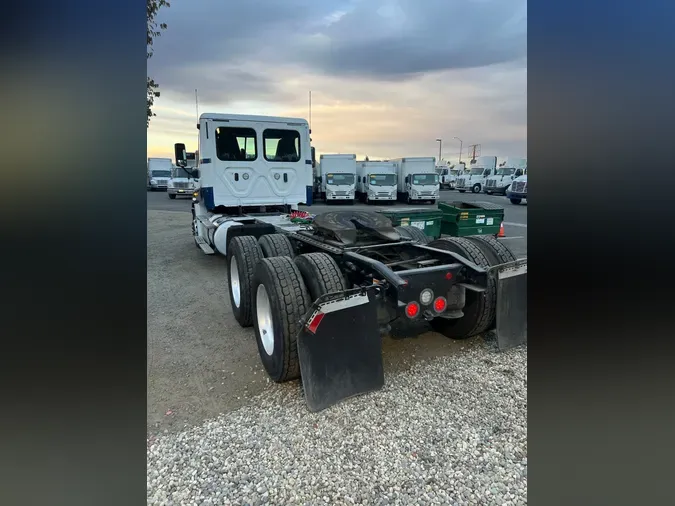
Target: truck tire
(515, 201)
(276, 245)
(172, 196)
(243, 254)
(280, 300)
(321, 274)
(497, 252)
(413, 233)
(476, 188)
(480, 308)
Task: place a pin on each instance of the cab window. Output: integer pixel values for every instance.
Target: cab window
(236, 143)
(281, 145)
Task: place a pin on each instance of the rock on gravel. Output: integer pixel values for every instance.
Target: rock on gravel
(452, 430)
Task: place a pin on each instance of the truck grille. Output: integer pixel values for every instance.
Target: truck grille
(162, 182)
(182, 185)
(382, 194)
(460, 181)
(340, 194)
(519, 187)
(490, 183)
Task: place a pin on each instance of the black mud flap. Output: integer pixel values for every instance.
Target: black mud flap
(511, 304)
(340, 348)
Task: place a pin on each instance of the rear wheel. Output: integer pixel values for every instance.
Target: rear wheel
(413, 233)
(479, 309)
(276, 245)
(515, 201)
(280, 300)
(243, 254)
(321, 274)
(497, 252)
(475, 188)
(172, 196)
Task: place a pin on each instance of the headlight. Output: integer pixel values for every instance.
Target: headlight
(152, 181)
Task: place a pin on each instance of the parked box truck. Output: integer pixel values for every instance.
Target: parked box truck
(376, 181)
(417, 179)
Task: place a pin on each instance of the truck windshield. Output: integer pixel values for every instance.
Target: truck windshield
(161, 173)
(454, 172)
(425, 179)
(382, 179)
(505, 172)
(477, 171)
(339, 179)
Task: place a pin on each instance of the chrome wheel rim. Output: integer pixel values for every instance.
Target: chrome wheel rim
(264, 316)
(235, 287)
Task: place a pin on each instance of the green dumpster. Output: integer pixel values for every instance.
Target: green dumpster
(427, 220)
(471, 218)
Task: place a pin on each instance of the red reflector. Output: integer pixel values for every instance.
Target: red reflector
(440, 304)
(448, 275)
(315, 322)
(412, 309)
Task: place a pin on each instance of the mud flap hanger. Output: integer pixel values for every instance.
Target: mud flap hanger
(511, 315)
(340, 348)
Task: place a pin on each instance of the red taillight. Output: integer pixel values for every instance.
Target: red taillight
(440, 304)
(315, 322)
(448, 275)
(412, 309)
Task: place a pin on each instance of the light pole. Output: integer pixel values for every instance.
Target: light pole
(460, 148)
(440, 147)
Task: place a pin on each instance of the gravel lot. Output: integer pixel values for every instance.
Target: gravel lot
(451, 430)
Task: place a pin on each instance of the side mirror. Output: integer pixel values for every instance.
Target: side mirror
(181, 157)
(407, 179)
(313, 157)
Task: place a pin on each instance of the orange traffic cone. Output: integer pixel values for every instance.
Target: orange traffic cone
(501, 230)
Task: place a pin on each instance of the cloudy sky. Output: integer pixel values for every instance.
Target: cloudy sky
(388, 77)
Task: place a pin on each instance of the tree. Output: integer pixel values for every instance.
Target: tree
(154, 31)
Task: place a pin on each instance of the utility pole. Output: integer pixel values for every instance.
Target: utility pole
(440, 149)
(473, 148)
(310, 111)
(460, 148)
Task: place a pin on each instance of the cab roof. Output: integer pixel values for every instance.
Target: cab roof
(247, 117)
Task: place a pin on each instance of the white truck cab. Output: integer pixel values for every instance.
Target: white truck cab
(507, 171)
(448, 175)
(376, 181)
(184, 179)
(248, 164)
(417, 179)
(476, 174)
(338, 177)
(518, 189)
(159, 173)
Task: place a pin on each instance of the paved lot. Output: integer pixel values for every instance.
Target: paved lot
(515, 217)
(200, 362)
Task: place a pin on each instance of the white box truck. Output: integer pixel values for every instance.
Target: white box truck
(159, 173)
(417, 179)
(338, 177)
(477, 173)
(376, 181)
(507, 171)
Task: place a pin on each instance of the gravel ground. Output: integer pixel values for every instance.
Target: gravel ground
(449, 430)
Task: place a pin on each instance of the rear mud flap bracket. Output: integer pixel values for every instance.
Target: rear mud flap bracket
(340, 348)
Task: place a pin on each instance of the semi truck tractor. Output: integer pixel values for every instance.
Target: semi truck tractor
(183, 179)
(376, 181)
(320, 292)
(417, 179)
(507, 171)
(517, 192)
(476, 174)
